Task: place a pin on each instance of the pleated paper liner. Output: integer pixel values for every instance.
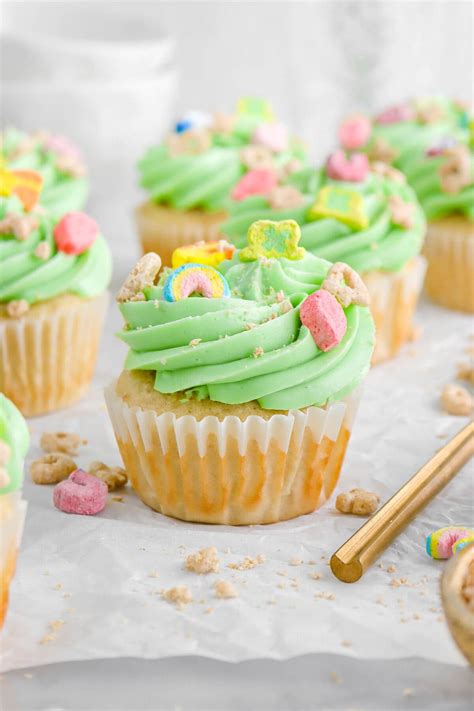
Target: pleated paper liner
(449, 249)
(393, 300)
(232, 471)
(162, 229)
(47, 357)
(12, 519)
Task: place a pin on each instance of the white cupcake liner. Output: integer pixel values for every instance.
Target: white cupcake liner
(47, 358)
(393, 300)
(232, 471)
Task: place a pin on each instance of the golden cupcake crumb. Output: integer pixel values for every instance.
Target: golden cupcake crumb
(204, 561)
(247, 563)
(179, 595)
(224, 590)
(456, 400)
(114, 477)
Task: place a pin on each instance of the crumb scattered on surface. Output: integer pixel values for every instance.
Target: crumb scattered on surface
(295, 561)
(397, 582)
(180, 595)
(325, 596)
(247, 563)
(204, 561)
(457, 400)
(224, 589)
(118, 499)
(195, 342)
(58, 586)
(391, 569)
(335, 678)
(114, 477)
(66, 442)
(346, 643)
(153, 574)
(208, 610)
(408, 692)
(358, 502)
(315, 576)
(466, 372)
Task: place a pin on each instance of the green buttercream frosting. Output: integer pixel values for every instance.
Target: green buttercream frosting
(24, 275)
(61, 191)
(381, 245)
(251, 345)
(413, 140)
(14, 433)
(205, 180)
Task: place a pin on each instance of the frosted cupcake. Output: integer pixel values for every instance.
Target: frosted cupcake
(191, 175)
(56, 159)
(430, 140)
(14, 442)
(53, 300)
(241, 384)
(365, 216)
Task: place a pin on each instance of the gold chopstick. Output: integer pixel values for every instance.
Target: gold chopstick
(353, 558)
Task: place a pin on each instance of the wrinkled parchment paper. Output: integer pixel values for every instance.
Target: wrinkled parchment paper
(101, 576)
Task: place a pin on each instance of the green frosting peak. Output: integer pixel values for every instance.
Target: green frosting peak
(14, 443)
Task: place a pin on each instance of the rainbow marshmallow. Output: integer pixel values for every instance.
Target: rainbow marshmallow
(440, 544)
(195, 278)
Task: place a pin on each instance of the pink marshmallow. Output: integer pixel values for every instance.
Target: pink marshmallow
(354, 168)
(62, 146)
(395, 114)
(75, 233)
(324, 316)
(255, 182)
(81, 493)
(354, 132)
(271, 135)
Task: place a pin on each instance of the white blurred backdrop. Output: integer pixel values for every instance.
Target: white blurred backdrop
(112, 75)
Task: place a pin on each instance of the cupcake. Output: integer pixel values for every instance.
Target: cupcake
(52, 300)
(365, 216)
(191, 175)
(14, 442)
(56, 159)
(241, 384)
(430, 140)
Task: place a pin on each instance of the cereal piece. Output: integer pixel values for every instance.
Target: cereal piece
(81, 494)
(66, 442)
(247, 563)
(70, 165)
(346, 285)
(381, 150)
(466, 372)
(75, 233)
(456, 400)
(285, 197)
(192, 142)
(225, 590)
(189, 279)
(270, 239)
(401, 212)
(387, 171)
(431, 112)
(455, 172)
(208, 253)
(204, 561)
(354, 168)
(114, 477)
(143, 275)
(257, 158)
(290, 167)
(354, 132)
(439, 544)
(18, 225)
(17, 308)
(340, 203)
(258, 352)
(258, 181)
(358, 502)
(43, 251)
(179, 595)
(324, 317)
(271, 135)
(222, 123)
(395, 114)
(52, 468)
(463, 543)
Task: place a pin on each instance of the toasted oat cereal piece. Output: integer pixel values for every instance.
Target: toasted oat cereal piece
(20, 226)
(142, 275)
(66, 442)
(346, 285)
(225, 590)
(179, 595)
(52, 468)
(358, 502)
(17, 308)
(456, 400)
(114, 477)
(204, 561)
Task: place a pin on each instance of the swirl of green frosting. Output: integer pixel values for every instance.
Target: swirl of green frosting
(204, 180)
(25, 275)
(412, 141)
(61, 191)
(251, 345)
(15, 435)
(381, 245)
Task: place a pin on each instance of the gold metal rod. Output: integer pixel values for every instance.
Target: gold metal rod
(353, 558)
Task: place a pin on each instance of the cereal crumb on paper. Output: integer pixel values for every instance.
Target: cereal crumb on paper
(204, 561)
(358, 501)
(408, 692)
(224, 590)
(247, 563)
(391, 569)
(335, 678)
(295, 561)
(456, 400)
(397, 582)
(315, 576)
(180, 595)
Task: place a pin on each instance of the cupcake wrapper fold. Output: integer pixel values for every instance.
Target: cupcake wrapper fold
(12, 521)
(163, 229)
(449, 249)
(47, 360)
(393, 300)
(232, 471)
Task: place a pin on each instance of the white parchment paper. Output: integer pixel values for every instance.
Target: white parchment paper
(102, 575)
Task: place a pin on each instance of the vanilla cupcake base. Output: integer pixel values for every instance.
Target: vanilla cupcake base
(163, 229)
(12, 519)
(221, 468)
(449, 249)
(47, 357)
(393, 300)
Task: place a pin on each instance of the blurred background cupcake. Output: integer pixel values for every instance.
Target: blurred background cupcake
(202, 163)
(14, 443)
(256, 385)
(431, 141)
(53, 298)
(366, 216)
(56, 159)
